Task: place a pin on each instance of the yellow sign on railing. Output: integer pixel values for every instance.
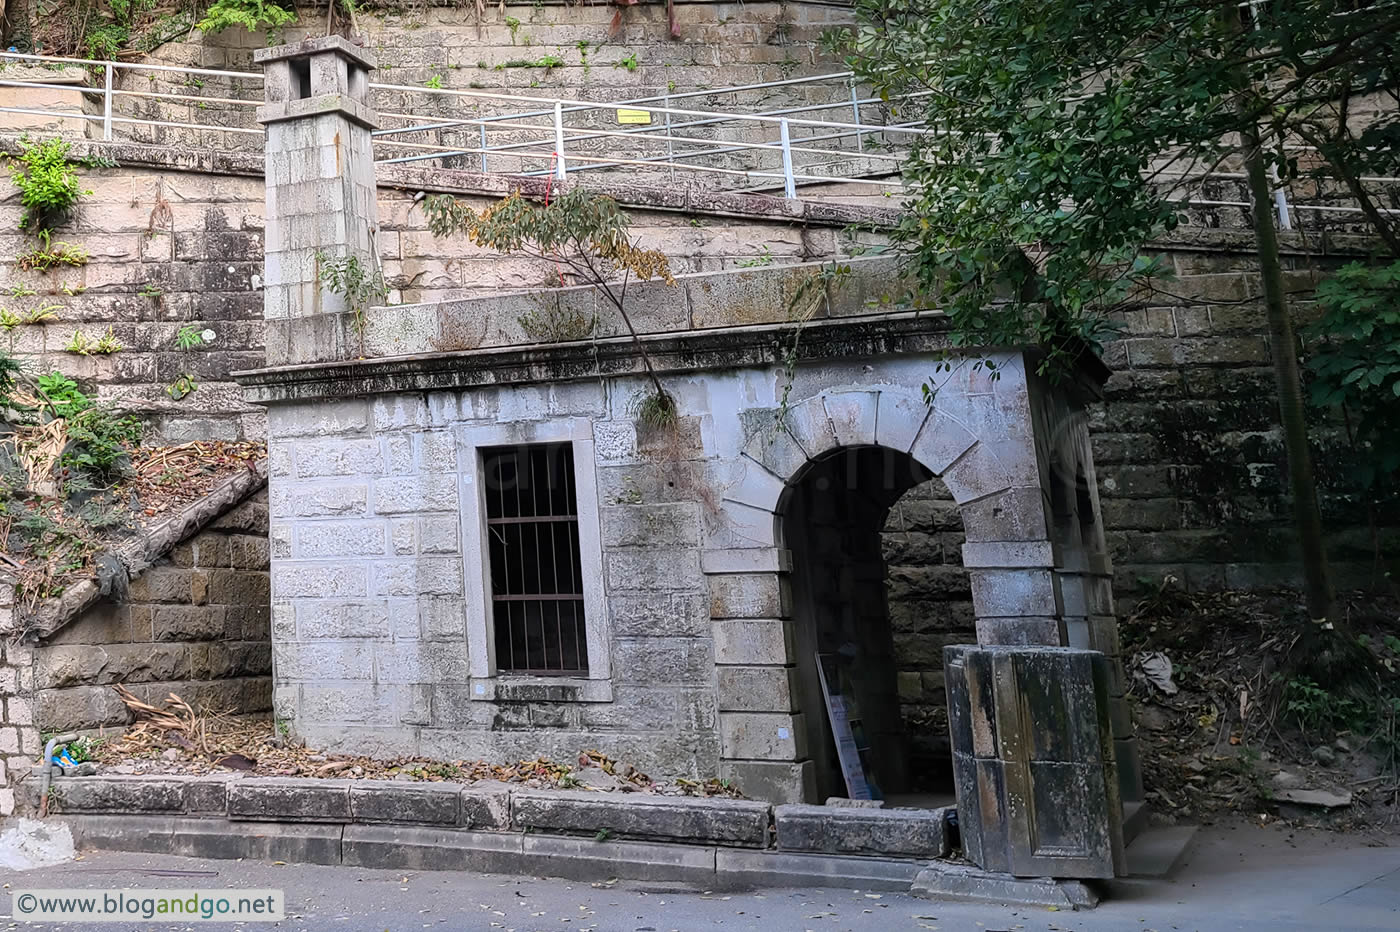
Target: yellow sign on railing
(634, 116)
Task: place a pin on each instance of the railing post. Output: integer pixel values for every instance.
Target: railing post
(1285, 222)
(483, 148)
(855, 114)
(559, 170)
(107, 103)
(670, 148)
(789, 183)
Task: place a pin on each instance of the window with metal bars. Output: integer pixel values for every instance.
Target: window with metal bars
(536, 567)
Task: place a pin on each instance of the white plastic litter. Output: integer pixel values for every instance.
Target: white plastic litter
(1156, 668)
(31, 843)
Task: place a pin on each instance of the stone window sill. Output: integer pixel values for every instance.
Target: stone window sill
(540, 689)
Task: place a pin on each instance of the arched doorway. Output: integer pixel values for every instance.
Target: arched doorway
(886, 665)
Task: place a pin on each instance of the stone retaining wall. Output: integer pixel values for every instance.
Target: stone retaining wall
(196, 623)
(467, 812)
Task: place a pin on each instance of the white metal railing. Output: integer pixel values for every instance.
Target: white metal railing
(843, 140)
(558, 136)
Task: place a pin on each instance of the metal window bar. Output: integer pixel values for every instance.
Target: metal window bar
(536, 569)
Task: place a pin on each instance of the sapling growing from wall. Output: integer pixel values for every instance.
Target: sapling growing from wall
(583, 232)
(360, 285)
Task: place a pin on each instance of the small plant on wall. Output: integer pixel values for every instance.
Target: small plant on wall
(359, 285)
(187, 338)
(584, 232)
(48, 184)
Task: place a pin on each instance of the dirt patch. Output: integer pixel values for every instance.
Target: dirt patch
(1245, 706)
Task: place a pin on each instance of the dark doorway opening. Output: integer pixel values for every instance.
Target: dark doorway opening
(878, 589)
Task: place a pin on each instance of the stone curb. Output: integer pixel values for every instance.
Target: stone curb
(401, 847)
(494, 828)
(499, 807)
(972, 884)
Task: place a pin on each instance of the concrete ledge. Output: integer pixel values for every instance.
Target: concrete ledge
(380, 801)
(900, 833)
(776, 868)
(965, 882)
(698, 821)
(298, 800)
(208, 838)
(400, 847)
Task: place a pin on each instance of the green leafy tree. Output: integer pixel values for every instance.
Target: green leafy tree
(1060, 132)
(1354, 359)
(583, 232)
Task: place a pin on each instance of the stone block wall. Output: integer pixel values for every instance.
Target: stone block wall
(930, 607)
(167, 249)
(1192, 472)
(178, 241)
(370, 622)
(541, 50)
(196, 623)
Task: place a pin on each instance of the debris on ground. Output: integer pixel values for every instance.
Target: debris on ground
(1232, 715)
(174, 738)
(75, 481)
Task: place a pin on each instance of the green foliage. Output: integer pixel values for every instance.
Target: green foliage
(48, 184)
(63, 395)
(434, 83)
(252, 15)
(630, 62)
(98, 437)
(186, 338)
(9, 320)
(84, 748)
(1041, 180)
(84, 345)
(513, 25)
(544, 61)
(1354, 358)
(655, 410)
(10, 370)
(99, 440)
(42, 258)
(360, 286)
(580, 230)
(41, 313)
(585, 231)
(765, 257)
(1315, 709)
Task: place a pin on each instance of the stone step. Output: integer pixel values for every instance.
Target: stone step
(1134, 820)
(1156, 852)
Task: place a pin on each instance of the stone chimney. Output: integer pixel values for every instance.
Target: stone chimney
(321, 200)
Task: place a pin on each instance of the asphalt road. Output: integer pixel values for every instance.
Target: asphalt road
(1236, 878)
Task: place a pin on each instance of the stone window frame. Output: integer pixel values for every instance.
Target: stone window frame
(487, 683)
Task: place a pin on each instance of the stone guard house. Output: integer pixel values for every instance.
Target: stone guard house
(477, 550)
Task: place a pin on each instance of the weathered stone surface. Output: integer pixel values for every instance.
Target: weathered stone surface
(385, 801)
(716, 821)
(1033, 761)
(118, 794)
(299, 800)
(907, 833)
(963, 882)
(744, 867)
(486, 806)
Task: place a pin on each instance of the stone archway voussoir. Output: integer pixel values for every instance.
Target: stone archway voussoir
(853, 416)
